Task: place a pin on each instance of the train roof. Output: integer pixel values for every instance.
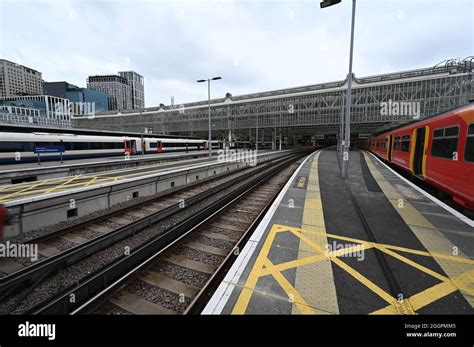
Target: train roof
(30, 128)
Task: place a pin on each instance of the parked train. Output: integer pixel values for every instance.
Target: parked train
(24, 147)
(438, 150)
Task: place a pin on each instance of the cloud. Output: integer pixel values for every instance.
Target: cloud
(254, 46)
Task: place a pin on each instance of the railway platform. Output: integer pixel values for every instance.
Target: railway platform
(374, 244)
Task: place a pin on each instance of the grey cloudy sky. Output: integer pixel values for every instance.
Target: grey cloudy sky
(254, 45)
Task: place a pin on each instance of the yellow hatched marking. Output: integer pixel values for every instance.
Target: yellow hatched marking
(432, 294)
(244, 297)
(91, 182)
(292, 264)
(22, 191)
(358, 276)
(66, 184)
(292, 293)
(430, 237)
(59, 186)
(263, 267)
(458, 259)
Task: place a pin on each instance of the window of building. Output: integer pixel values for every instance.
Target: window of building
(469, 150)
(445, 142)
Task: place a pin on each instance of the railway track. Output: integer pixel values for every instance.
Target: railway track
(179, 281)
(205, 252)
(67, 239)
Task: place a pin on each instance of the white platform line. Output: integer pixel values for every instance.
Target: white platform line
(223, 292)
(451, 210)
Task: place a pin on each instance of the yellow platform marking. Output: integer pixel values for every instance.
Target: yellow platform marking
(63, 183)
(263, 267)
(438, 246)
(315, 281)
(22, 191)
(59, 186)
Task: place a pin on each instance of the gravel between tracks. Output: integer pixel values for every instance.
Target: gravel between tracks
(72, 274)
(206, 258)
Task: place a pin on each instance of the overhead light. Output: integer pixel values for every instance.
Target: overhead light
(327, 3)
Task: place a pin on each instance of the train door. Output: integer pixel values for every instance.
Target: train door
(130, 146)
(134, 146)
(159, 147)
(127, 147)
(419, 151)
(390, 148)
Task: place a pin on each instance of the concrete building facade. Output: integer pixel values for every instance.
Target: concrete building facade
(16, 79)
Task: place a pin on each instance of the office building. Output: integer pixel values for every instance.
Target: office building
(77, 95)
(16, 79)
(51, 110)
(137, 87)
(116, 87)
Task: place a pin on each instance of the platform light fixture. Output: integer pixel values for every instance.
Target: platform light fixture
(209, 144)
(347, 134)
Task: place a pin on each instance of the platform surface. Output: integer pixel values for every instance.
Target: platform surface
(33, 165)
(371, 245)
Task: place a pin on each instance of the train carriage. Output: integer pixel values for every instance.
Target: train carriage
(438, 150)
(22, 147)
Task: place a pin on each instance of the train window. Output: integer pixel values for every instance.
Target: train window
(396, 144)
(80, 146)
(453, 131)
(405, 144)
(445, 142)
(469, 150)
(11, 147)
(97, 145)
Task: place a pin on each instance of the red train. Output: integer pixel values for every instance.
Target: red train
(438, 150)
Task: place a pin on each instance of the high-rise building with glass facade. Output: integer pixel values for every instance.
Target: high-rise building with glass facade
(52, 110)
(116, 87)
(76, 94)
(137, 85)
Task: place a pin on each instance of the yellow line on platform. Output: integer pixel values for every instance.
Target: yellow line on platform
(293, 294)
(52, 189)
(244, 298)
(430, 237)
(20, 192)
(315, 281)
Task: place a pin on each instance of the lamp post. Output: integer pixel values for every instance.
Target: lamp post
(347, 133)
(209, 144)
